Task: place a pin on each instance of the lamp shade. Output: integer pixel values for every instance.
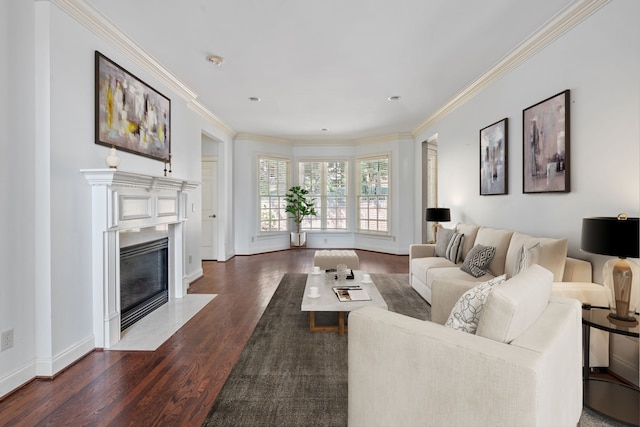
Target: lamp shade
(610, 236)
(438, 214)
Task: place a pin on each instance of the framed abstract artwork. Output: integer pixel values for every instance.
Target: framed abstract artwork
(493, 158)
(130, 115)
(545, 140)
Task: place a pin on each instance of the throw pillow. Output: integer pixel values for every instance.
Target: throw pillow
(454, 248)
(526, 258)
(477, 260)
(516, 304)
(465, 314)
(442, 241)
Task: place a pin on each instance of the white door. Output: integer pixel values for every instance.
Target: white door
(209, 210)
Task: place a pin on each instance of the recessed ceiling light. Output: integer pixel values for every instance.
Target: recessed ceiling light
(394, 98)
(254, 99)
(215, 59)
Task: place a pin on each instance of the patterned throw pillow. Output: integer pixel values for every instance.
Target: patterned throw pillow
(478, 259)
(454, 248)
(526, 258)
(465, 315)
(442, 241)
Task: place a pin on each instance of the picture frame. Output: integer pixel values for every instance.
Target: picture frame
(493, 158)
(130, 115)
(545, 145)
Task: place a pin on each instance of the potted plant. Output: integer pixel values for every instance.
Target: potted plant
(299, 206)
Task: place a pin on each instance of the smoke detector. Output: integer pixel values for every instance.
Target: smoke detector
(215, 59)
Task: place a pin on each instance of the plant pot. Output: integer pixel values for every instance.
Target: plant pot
(298, 239)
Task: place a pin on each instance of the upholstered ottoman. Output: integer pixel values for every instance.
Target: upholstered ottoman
(326, 259)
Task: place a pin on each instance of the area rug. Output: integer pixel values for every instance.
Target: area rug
(288, 376)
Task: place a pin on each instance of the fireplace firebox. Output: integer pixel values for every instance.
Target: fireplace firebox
(144, 280)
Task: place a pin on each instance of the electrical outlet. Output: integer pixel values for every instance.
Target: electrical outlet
(6, 340)
(190, 259)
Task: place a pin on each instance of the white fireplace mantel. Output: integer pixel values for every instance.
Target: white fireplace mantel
(124, 201)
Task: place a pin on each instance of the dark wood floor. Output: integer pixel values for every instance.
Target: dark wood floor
(176, 384)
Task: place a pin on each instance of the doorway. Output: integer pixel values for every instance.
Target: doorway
(429, 183)
(209, 237)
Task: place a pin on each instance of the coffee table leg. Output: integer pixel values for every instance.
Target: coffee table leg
(312, 321)
(341, 323)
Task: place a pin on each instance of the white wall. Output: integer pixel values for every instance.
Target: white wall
(17, 174)
(598, 61)
(246, 152)
(46, 293)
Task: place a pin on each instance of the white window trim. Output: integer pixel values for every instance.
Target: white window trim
(357, 195)
(289, 162)
(349, 198)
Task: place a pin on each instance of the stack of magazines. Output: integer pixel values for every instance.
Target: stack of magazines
(351, 293)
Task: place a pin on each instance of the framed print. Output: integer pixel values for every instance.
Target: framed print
(493, 158)
(545, 136)
(130, 115)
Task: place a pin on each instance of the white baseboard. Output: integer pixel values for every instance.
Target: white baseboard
(17, 378)
(48, 367)
(624, 369)
(192, 277)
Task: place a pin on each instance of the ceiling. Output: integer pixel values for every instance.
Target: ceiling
(328, 64)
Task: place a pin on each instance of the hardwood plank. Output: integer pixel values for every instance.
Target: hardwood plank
(176, 384)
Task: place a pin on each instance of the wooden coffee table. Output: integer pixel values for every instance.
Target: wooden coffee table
(328, 301)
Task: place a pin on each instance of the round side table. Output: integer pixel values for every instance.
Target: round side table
(612, 399)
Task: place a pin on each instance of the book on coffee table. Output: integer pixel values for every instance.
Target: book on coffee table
(351, 293)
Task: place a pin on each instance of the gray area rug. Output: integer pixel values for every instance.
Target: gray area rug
(288, 376)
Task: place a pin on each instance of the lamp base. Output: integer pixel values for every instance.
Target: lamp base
(623, 321)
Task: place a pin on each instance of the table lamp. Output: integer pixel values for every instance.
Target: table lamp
(436, 215)
(616, 237)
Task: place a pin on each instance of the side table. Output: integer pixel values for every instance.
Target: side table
(612, 399)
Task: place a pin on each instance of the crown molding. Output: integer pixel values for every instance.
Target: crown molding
(325, 143)
(205, 113)
(394, 137)
(262, 138)
(565, 20)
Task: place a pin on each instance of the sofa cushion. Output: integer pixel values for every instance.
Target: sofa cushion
(527, 256)
(478, 259)
(499, 239)
(421, 266)
(443, 237)
(552, 256)
(454, 248)
(515, 304)
(470, 231)
(467, 310)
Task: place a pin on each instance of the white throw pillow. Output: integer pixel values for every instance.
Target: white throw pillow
(526, 258)
(515, 304)
(465, 314)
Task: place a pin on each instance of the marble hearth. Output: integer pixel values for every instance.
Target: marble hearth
(130, 204)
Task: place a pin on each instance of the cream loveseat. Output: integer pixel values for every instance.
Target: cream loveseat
(572, 277)
(522, 367)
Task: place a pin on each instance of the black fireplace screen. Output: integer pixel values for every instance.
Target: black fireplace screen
(144, 280)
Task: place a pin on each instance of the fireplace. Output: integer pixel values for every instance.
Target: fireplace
(129, 209)
(144, 280)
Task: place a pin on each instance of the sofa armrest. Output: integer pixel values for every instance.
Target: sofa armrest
(444, 295)
(421, 250)
(585, 292)
(577, 270)
(404, 371)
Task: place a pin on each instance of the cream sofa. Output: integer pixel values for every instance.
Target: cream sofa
(521, 368)
(572, 277)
